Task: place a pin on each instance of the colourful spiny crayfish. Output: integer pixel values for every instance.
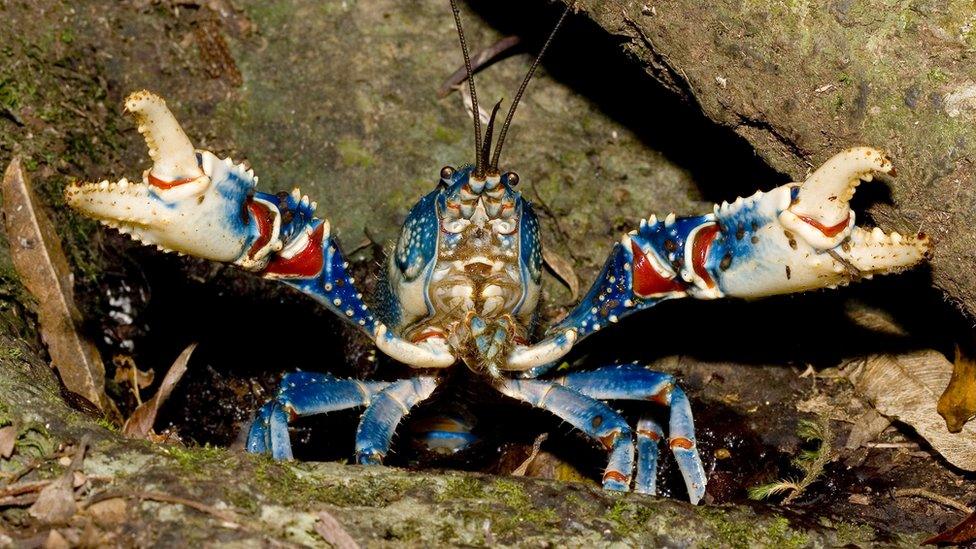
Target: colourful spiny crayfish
(463, 283)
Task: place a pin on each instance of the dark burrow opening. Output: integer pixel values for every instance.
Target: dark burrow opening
(149, 306)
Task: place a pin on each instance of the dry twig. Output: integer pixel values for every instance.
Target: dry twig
(932, 496)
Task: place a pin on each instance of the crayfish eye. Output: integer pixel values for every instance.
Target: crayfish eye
(447, 172)
(512, 178)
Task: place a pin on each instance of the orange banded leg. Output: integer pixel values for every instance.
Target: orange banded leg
(635, 382)
(589, 415)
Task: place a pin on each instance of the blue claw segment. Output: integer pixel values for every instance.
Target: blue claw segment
(594, 418)
(635, 382)
(303, 394)
(684, 446)
(649, 435)
(444, 434)
(269, 432)
(648, 266)
(621, 382)
(257, 437)
(278, 433)
(381, 418)
(312, 262)
(273, 427)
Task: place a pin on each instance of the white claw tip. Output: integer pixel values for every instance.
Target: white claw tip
(172, 153)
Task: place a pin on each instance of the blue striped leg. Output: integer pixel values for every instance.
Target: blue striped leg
(304, 394)
(634, 382)
(381, 418)
(591, 416)
(649, 435)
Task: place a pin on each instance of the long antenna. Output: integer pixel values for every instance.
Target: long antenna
(525, 82)
(476, 114)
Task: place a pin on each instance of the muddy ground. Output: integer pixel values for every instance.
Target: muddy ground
(340, 99)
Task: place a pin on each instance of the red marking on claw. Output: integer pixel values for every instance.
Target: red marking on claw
(609, 440)
(614, 475)
(157, 182)
(699, 252)
(662, 397)
(681, 442)
(647, 281)
(649, 434)
(265, 220)
(831, 231)
(427, 335)
(306, 263)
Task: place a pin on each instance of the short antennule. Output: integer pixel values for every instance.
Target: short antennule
(493, 165)
(486, 146)
(480, 158)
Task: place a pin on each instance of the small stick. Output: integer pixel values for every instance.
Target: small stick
(892, 445)
(477, 61)
(34, 465)
(19, 501)
(23, 488)
(536, 446)
(925, 494)
(228, 517)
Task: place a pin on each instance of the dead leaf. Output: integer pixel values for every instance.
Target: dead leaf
(41, 264)
(866, 428)
(55, 540)
(874, 319)
(109, 511)
(8, 438)
(478, 60)
(563, 269)
(140, 423)
(964, 532)
(957, 405)
(333, 533)
(126, 371)
(906, 387)
(536, 446)
(55, 503)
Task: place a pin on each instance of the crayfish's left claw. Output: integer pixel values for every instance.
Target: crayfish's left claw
(820, 214)
(803, 237)
(820, 209)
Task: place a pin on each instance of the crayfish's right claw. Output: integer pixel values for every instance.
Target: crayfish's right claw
(189, 201)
